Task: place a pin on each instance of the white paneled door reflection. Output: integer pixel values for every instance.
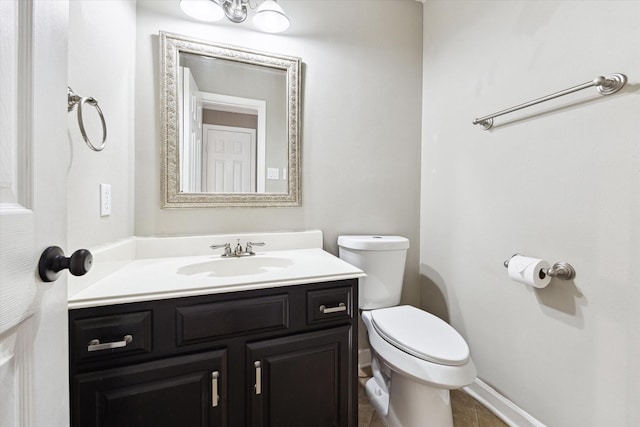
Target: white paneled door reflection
(229, 159)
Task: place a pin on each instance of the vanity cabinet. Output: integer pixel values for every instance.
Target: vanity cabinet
(279, 357)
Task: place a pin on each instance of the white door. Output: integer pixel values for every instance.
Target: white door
(229, 159)
(191, 123)
(34, 158)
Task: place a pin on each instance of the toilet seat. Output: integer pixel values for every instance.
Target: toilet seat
(420, 334)
(434, 374)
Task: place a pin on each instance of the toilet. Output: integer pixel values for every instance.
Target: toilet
(416, 357)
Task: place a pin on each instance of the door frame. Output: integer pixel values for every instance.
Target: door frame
(236, 104)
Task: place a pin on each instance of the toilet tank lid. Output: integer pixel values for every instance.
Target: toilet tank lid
(374, 242)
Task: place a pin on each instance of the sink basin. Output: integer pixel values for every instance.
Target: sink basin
(243, 266)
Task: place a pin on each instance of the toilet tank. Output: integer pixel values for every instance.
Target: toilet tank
(382, 258)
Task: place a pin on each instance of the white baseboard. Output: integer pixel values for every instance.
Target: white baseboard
(502, 407)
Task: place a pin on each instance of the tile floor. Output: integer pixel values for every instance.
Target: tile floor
(467, 412)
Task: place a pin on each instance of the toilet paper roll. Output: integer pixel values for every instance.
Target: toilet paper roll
(530, 271)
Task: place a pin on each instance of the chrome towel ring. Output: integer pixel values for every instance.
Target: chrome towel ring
(72, 101)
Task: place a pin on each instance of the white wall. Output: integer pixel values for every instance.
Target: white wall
(559, 181)
(360, 122)
(101, 64)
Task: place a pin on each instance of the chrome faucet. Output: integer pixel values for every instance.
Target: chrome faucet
(237, 252)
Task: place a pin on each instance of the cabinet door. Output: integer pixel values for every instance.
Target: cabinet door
(301, 380)
(180, 391)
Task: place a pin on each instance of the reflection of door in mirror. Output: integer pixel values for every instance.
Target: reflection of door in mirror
(234, 89)
(237, 113)
(191, 130)
(229, 164)
(219, 167)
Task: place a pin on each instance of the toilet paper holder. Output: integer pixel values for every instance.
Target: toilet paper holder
(559, 270)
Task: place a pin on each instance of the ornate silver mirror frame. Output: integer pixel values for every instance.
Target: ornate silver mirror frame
(171, 45)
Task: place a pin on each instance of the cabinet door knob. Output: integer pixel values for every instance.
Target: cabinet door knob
(52, 262)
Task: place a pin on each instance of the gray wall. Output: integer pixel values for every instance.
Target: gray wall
(225, 118)
(559, 181)
(101, 65)
(361, 103)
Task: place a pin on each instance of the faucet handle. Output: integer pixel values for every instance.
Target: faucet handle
(250, 246)
(226, 246)
(221, 245)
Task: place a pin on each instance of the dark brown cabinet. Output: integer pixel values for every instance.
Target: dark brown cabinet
(299, 380)
(177, 391)
(279, 357)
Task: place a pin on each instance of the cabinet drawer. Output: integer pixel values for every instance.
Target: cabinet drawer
(327, 305)
(211, 321)
(111, 335)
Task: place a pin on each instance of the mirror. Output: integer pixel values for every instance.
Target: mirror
(229, 125)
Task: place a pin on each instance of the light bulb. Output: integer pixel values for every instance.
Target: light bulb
(202, 10)
(270, 17)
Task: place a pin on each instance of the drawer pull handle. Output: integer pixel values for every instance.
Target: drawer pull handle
(258, 385)
(94, 345)
(215, 398)
(326, 310)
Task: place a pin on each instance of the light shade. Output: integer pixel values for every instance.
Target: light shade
(270, 17)
(202, 10)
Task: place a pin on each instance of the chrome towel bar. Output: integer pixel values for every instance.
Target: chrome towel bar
(605, 86)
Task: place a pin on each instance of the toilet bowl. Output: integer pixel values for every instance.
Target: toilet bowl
(416, 357)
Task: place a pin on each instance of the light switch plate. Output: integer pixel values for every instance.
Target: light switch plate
(273, 173)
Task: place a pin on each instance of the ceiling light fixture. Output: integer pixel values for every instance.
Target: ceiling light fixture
(269, 16)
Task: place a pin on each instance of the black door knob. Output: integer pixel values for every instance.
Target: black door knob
(53, 261)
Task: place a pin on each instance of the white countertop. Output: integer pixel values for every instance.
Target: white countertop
(180, 276)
